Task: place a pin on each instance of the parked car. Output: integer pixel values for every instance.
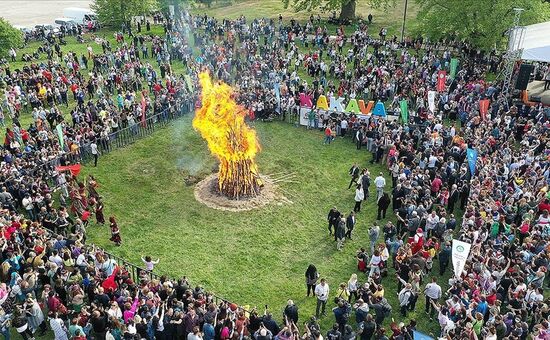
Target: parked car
(46, 29)
(80, 15)
(68, 23)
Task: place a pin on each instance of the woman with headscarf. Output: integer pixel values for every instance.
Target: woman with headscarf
(311, 279)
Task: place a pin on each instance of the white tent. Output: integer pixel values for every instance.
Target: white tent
(536, 44)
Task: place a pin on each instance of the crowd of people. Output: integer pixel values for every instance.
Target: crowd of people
(501, 206)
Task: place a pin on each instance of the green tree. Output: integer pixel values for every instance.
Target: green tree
(116, 12)
(346, 7)
(483, 23)
(10, 37)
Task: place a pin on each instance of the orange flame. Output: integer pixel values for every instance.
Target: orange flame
(220, 121)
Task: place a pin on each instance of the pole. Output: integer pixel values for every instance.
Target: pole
(404, 19)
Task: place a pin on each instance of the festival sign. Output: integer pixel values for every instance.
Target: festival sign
(460, 253)
(441, 78)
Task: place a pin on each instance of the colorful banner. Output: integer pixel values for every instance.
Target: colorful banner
(379, 109)
(483, 108)
(404, 111)
(74, 169)
(421, 336)
(188, 82)
(431, 101)
(454, 67)
(277, 89)
(471, 156)
(59, 129)
(441, 78)
(459, 255)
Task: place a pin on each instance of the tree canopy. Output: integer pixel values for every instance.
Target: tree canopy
(483, 23)
(10, 37)
(116, 12)
(346, 7)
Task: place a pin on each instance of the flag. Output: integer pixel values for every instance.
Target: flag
(441, 78)
(143, 109)
(483, 108)
(277, 89)
(74, 169)
(454, 66)
(471, 155)
(431, 101)
(404, 111)
(379, 109)
(421, 336)
(188, 82)
(59, 129)
(459, 255)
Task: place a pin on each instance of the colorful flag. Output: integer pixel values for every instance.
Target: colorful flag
(188, 82)
(441, 78)
(277, 89)
(379, 109)
(404, 111)
(483, 108)
(471, 156)
(454, 66)
(421, 336)
(59, 129)
(459, 255)
(74, 169)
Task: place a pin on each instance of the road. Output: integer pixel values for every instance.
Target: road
(28, 13)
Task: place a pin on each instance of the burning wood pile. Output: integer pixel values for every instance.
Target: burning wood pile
(221, 123)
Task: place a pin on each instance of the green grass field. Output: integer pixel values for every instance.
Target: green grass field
(252, 258)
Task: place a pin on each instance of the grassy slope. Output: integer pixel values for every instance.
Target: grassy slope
(391, 18)
(256, 257)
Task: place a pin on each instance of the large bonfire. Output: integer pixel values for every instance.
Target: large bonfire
(220, 121)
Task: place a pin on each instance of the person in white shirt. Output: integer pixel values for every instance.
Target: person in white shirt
(433, 293)
(95, 152)
(321, 292)
(149, 263)
(380, 183)
(343, 127)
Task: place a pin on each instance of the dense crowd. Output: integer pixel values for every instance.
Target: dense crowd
(504, 202)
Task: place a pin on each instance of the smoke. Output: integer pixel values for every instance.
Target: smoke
(189, 158)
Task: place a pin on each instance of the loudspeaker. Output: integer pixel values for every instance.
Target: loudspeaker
(523, 76)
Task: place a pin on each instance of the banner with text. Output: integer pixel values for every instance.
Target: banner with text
(460, 253)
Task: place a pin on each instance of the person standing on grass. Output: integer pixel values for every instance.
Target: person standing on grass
(380, 183)
(433, 293)
(350, 224)
(321, 292)
(374, 232)
(328, 135)
(99, 216)
(365, 182)
(354, 173)
(359, 197)
(149, 263)
(115, 231)
(340, 233)
(332, 218)
(95, 151)
(311, 279)
(383, 204)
